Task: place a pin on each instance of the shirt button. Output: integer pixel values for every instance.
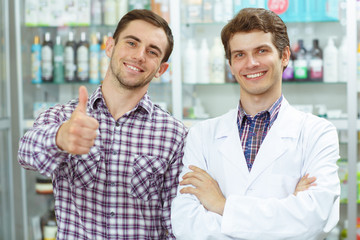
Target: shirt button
(117, 124)
(112, 214)
(112, 184)
(114, 152)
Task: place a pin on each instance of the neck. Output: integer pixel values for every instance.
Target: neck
(255, 104)
(119, 100)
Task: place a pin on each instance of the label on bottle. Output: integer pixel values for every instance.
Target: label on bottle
(316, 68)
(83, 63)
(288, 73)
(46, 66)
(94, 67)
(70, 67)
(36, 65)
(50, 232)
(300, 69)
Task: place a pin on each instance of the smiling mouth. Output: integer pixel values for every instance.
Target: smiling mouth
(133, 68)
(255, 75)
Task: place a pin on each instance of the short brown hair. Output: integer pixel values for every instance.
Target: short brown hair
(249, 19)
(150, 17)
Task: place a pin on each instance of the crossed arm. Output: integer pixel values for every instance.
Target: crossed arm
(208, 192)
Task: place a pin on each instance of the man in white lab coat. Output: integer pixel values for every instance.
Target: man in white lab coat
(241, 169)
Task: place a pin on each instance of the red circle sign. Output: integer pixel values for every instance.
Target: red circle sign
(278, 6)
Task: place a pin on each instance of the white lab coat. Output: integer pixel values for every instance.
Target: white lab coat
(260, 204)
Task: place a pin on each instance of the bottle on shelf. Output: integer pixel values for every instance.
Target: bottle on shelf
(300, 63)
(203, 61)
(316, 62)
(69, 59)
(47, 59)
(288, 74)
(207, 11)
(190, 63)
(330, 62)
(122, 8)
(94, 60)
(48, 222)
(343, 61)
(82, 59)
(110, 13)
(36, 61)
(218, 11)
(104, 59)
(96, 12)
(217, 62)
(58, 61)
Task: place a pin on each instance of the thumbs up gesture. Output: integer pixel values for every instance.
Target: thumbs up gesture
(77, 135)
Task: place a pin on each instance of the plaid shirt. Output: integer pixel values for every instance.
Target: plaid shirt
(253, 130)
(123, 188)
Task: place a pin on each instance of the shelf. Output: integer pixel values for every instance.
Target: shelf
(284, 82)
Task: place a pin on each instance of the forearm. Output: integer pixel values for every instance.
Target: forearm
(38, 150)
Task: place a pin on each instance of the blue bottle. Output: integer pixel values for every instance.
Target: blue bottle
(36, 61)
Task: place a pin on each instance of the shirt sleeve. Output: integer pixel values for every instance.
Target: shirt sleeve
(171, 181)
(37, 148)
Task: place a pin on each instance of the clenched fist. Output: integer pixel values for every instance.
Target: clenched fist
(78, 134)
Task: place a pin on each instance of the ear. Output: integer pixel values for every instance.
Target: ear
(163, 67)
(285, 56)
(110, 44)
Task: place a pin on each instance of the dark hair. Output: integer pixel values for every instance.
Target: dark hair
(249, 19)
(150, 17)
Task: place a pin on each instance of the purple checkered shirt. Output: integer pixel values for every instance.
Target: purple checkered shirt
(252, 130)
(123, 188)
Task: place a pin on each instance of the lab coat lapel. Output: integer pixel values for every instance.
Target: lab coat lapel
(278, 139)
(229, 142)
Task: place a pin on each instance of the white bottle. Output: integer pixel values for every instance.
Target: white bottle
(218, 11)
(96, 12)
(330, 62)
(110, 13)
(122, 8)
(190, 63)
(228, 10)
(217, 62)
(203, 61)
(343, 61)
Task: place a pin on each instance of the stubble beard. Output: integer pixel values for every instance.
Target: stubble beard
(123, 84)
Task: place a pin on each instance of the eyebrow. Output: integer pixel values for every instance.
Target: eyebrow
(256, 48)
(138, 40)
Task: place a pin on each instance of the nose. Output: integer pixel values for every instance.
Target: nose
(139, 54)
(252, 61)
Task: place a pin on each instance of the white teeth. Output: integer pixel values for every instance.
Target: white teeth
(133, 68)
(255, 75)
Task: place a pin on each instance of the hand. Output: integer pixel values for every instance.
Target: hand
(304, 183)
(206, 189)
(77, 135)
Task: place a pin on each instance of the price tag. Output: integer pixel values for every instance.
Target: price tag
(278, 6)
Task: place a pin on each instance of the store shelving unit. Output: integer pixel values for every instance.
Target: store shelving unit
(175, 95)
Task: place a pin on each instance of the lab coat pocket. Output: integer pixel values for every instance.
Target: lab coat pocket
(148, 177)
(86, 167)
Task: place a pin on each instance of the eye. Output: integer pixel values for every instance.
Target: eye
(153, 53)
(238, 55)
(262, 50)
(131, 43)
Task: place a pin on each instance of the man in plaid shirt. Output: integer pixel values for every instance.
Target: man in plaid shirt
(114, 157)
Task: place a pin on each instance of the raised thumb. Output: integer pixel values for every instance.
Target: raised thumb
(83, 98)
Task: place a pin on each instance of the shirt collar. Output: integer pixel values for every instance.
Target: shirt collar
(96, 101)
(273, 111)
